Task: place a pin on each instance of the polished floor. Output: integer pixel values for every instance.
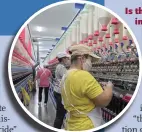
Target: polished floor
(44, 113)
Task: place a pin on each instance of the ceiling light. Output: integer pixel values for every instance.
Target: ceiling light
(39, 42)
(43, 49)
(39, 29)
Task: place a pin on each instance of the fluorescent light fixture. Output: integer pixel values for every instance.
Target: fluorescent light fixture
(39, 42)
(39, 28)
(43, 49)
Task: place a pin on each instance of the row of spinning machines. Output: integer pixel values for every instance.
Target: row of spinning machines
(119, 62)
(122, 69)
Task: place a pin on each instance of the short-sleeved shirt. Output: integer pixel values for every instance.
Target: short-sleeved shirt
(59, 72)
(43, 74)
(81, 87)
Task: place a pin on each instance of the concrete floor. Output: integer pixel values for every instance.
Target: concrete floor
(43, 113)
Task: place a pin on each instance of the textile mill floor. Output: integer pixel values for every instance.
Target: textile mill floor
(44, 113)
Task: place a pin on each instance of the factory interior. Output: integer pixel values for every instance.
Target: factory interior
(56, 29)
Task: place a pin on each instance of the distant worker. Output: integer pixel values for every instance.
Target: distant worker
(43, 75)
(82, 95)
(64, 61)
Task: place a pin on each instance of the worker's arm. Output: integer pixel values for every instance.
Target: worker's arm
(104, 98)
(94, 91)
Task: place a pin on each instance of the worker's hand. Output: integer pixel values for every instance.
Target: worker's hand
(103, 84)
(109, 85)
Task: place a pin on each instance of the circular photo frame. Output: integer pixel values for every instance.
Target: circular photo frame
(46, 9)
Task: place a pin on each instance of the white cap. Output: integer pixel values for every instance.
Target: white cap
(62, 54)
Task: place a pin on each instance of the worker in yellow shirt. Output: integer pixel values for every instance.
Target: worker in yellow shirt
(82, 95)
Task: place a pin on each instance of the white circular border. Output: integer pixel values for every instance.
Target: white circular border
(32, 17)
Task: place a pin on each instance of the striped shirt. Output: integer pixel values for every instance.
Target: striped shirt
(59, 72)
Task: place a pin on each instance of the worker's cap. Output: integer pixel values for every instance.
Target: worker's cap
(62, 55)
(80, 49)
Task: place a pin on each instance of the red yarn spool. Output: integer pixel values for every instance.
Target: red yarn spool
(96, 33)
(100, 39)
(104, 45)
(90, 44)
(116, 31)
(90, 37)
(104, 28)
(95, 42)
(116, 40)
(125, 38)
(114, 21)
(86, 40)
(81, 42)
(107, 35)
(110, 43)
